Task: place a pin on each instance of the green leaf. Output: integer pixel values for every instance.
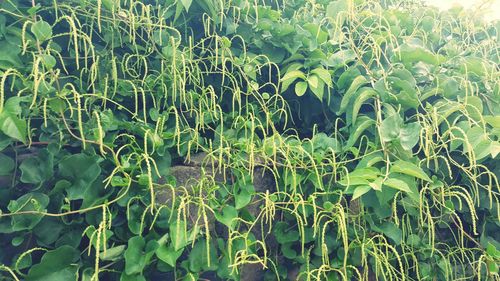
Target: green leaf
(319, 90)
(16, 241)
(42, 30)
(324, 75)
(361, 125)
(390, 127)
(413, 240)
(227, 216)
(341, 58)
(494, 149)
(186, 4)
(397, 184)
(393, 129)
(409, 135)
(109, 4)
(36, 170)
(494, 121)
(135, 261)
(363, 95)
(410, 169)
(48, 61)
(476, 65)
(56, 265)
(337, 11)
(13, 126)
(290, 77)
(178, 235)
(300, 88)
(356, 84)
(479, 142)
(492, 251)
(284, 233)
(288, 251)
(319, 35)
(198, 257)
(410, 53)
(322, 142)
(48, 230)
(360, 176)
(376, 184)
(242, 199)
(81, 170)
(168, 254)
(34, 201)
(7, 165)
(133, 277)
(313, 81)
(347, 77)
(113, 253)
(13, 105)
(9, 55)
(392, 231)
(360, 191)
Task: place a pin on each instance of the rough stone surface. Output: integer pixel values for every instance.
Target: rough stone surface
(188, 175)
(251, 272)
(187, 178)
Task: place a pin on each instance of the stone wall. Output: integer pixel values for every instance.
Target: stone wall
(188, 176)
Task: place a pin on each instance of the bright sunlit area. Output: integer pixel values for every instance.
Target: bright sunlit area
(491, 7)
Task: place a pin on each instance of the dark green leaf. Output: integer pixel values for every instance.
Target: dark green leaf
(7, 164)
(36, 170)
(36, 202)
(168, 255)
(81, 170)
(56, 265)
(199, 257)
(135, 261)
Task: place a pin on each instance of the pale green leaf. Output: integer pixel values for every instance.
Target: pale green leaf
(355, 85)
(409, 135)
(362, 124)
(410, 169)
(300, 88)
(42, 30)
(186, 4)
(313, 81)
(324, 75)
(363, 95)
(397, 184)
(319, 90)
(360, 191)
(290, 77)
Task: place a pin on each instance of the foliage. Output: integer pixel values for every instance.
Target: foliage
(379, 120)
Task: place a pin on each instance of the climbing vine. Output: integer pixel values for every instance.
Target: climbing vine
(248, 140)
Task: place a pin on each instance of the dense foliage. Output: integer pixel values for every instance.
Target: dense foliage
(379, 121)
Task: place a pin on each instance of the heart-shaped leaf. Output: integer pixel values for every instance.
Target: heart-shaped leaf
(42, 30)
(13, 126)
(56, 265)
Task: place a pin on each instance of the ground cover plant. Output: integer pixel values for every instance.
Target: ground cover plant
(375, 123)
